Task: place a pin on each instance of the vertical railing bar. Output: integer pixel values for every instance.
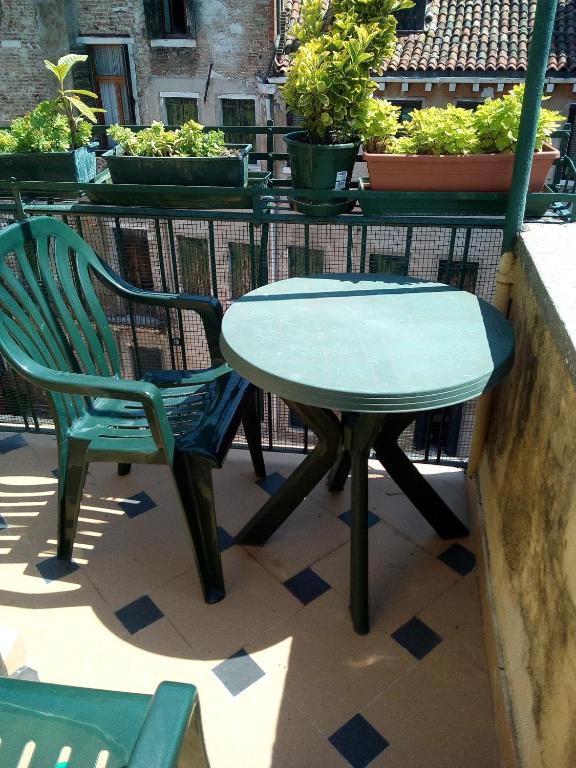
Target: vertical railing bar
(427, 436)
(464, 261)
(408, 247)
(306, 248)
(440, 435)
(122, 268)
(253, 264)
(270, 422)
(164, 284)
(30, 399)
(363, 245)
(263, 258)
(349, 246)
(212, 248)
(174, 261)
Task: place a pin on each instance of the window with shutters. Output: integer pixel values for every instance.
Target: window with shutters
(407, 106)
(240, 112)
(388, 264)
(146, 359)
(302, 261)
(572, 120)
(110, 73)
(460, 274)
(170, 19)
(134, 257)
(412, 19)
(470, 104)
(241, 269)
(180, 109)
(195, 265)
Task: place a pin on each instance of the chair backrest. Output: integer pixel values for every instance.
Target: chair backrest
(49, 311)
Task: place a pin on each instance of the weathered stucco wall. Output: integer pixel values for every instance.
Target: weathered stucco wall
(528, 487)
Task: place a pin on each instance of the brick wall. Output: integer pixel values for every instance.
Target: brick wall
(236, 38)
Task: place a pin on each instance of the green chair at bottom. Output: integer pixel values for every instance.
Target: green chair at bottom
(60, 726)
(55, 333)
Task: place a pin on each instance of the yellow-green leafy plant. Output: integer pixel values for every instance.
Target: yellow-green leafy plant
(497, 122)
(54, 125)
(188, 141)
(381, 124)
(330, 75)
(492, 128)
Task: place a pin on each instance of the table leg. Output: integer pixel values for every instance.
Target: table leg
(304, 478)
(343, 464)
(358, 439)
(432, 508)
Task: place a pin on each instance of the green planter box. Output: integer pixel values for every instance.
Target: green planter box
(102, 191)
(445, 203)
(227, 171)
(78, 166)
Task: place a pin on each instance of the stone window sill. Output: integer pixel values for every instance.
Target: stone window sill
(173, 42)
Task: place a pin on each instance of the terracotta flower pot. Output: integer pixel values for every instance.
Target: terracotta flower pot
(453, 173)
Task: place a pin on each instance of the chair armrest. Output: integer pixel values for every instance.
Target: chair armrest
(88, 385)
(208, 308)
(172, 725)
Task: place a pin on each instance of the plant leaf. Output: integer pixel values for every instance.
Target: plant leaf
(82, 92)
(84, 109)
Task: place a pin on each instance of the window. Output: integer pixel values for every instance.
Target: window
(241, 280)
(134, 257)
(407, 106)
(412, 19)
(146, 359)
(170, 19)
(471, 104)
(239, 112)
(571, 151)
(302, 262)
(180, 109)
(388, 264)
(195, 265)
(438, 431)
(461, 274)
(112, 83)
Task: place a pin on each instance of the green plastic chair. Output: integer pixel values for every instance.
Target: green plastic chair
(59, 726)
(54, 332)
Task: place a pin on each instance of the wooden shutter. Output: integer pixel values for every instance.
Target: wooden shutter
(180, 110)
(190, 18)
(460, 274)
(195, 265)
(388, 264)
(153, 17)
(241, 269)
(301, 264)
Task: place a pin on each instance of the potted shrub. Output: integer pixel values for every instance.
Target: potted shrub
(455, 150)
(328, 84)
(187, 156)
(50, 143)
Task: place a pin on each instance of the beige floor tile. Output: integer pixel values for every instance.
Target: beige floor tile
(403, 578)
(332, 672)
(254, 603)
(439, 714)
(309, 534)
(396, 509)
(457, 615)
(275, 735)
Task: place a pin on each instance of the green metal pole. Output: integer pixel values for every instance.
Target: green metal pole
(535, 75)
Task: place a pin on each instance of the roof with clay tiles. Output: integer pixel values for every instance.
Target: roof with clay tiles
(479, 36)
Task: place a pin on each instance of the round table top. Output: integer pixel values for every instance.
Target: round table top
(367, 343)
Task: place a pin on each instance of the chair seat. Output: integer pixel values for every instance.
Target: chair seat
(203, 410)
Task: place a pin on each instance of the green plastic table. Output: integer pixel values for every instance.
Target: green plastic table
(379, 349)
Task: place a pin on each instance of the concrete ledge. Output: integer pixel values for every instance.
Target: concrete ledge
(173, 43)
(547, 253)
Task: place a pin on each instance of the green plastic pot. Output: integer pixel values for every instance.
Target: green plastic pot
(227, 171)
(78, 166)
(320, 166)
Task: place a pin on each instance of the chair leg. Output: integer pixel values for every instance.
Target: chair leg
(72, 470)
(124, 469)
(251, 424)
(193, 477)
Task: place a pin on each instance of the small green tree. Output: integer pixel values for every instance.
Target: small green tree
(330, 76)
